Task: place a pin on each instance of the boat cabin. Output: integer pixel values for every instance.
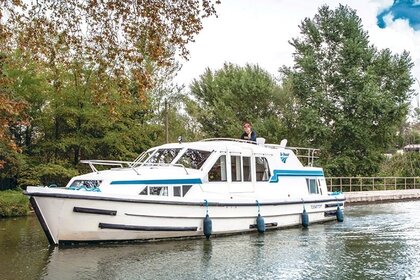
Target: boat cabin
(230, 167)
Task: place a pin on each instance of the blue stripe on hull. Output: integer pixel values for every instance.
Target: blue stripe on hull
(159, 182)
(295, 173)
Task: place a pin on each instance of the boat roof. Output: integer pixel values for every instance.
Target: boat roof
(220, 144)
(305, 156)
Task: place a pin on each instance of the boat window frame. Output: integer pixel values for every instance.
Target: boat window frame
(170, 190)
(309, 186)
(162, 191)
(184, 152)
(239, 155)
(150, 152)
(147, 161)
(219, 169)
(266, 173)
(180, 191)
(320, 184)
(87, 183)
(250, 170)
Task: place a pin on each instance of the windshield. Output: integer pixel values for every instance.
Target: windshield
(193, 158)
(163, 156)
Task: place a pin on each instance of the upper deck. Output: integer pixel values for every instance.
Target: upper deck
(307, 156)
(171, 154)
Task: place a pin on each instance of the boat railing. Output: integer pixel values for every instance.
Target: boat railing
(93, 162)
(128, 164)
(161, 164)
(139, 160)
(228, 139)
(307, 156)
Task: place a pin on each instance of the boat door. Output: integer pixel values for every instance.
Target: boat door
(240, 172)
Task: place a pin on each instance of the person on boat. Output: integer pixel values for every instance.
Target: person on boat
(249, 134)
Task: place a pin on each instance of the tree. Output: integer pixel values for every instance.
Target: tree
(401, 165)
(351, 97)
(86, 71)
(172, 115)
(221, 100)
(11, 114)
(121, 38)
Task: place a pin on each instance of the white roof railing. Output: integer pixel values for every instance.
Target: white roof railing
(307, 154)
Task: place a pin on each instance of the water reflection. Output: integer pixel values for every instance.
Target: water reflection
(375, 242)
(23, 248)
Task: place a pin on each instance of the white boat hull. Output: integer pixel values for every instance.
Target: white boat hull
(70, 219)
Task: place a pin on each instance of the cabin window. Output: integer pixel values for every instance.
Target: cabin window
(218, 171)
(85, 183)
(247, 168)
(185, 189)
(144, 191)
(163, 156)
(177, 191)
(262, 169)
(236, 168)
(163, 190)
(194, 158)
(148, 154)
(181, 190)
(312, 186)
(158, 190)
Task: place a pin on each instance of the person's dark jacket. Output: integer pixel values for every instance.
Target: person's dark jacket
(253, 137)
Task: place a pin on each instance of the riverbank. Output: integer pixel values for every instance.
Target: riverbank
(13, 203)
(381, 196)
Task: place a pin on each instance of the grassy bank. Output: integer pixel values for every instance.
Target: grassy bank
(13, 203)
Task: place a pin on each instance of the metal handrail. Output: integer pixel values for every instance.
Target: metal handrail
(128, 164)
(351, 184)
(93, 162)
(308, 154)
(165, 165)
(139, 159)
(228, 139)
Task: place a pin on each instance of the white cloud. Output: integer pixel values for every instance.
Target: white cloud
(250, 31)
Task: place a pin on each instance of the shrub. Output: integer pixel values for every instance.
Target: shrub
(13, 203)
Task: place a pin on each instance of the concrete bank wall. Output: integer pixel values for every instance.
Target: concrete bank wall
(381, 196)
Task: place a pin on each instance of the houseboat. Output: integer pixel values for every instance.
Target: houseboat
(179, 190)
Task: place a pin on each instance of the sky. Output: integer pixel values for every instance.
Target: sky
(258, 31)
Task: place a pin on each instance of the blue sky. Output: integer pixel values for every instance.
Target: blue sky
(258, 31)
(408, 10)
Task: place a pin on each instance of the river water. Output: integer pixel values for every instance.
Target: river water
(380, 241)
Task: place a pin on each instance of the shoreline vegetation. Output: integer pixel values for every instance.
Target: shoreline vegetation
(13, 203)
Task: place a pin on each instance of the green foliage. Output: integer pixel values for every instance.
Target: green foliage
(343, 96)
(75, 95)
(13, 204)
(223, 99)
(51, 174)
(12, 161)
(79, 113)
(351, 98)
(401, 165)
(169, 105)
